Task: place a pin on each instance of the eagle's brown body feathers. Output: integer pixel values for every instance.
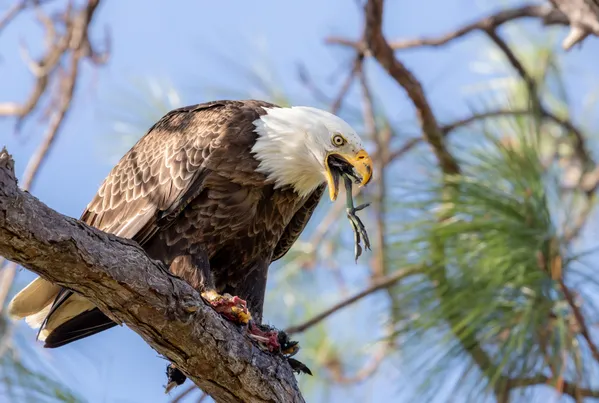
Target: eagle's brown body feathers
(190, 193)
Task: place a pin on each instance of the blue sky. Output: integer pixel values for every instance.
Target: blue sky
(179, 41)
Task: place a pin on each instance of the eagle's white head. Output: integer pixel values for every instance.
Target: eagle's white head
(303, 147)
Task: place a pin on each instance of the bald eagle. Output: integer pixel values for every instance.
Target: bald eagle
(217, 192)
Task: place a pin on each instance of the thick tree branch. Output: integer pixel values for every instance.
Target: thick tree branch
(117, 276)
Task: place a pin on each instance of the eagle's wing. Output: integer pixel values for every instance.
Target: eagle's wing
(156, 178)
(298, 223)
(147, 189)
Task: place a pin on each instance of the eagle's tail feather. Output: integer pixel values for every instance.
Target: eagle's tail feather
(83, 325)
(33, 300)
(62, 321)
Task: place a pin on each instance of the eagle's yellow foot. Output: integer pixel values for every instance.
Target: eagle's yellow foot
(233, 308)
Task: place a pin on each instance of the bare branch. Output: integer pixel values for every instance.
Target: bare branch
(67, 84)
(408, 145)
(381, 50)
(544, 12)
(537, 106)
(73, 42)
(335, 367)
(584, 331)
(568, 388)
(490, 22)
(357, 66)
(116, 275)
(378, 284)
(184, 394)
(518, 66)
(15, 10)
(335, 103)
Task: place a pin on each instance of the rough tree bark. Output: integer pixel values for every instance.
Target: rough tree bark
(118, 277)
(583, 16)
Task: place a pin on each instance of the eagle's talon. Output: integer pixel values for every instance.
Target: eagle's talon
(266, 337)
(231, 307)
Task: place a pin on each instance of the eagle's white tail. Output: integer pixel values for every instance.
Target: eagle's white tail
(35, 301)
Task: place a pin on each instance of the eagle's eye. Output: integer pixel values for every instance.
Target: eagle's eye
(338, 140)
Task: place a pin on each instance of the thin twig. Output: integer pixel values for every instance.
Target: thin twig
(357, 66)
(490, 22)
(379, 284)
(15, 10)
(537, 106)
(531, 84)
(367, 371)
(584, 331)
(184, 393)
(336, 102)
(568, 388)
(77, 39)
(408, 145)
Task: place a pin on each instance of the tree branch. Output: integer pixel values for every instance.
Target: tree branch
(77, 37)
(546, 13)
(380, 49)
(568, 388)
(583, 19)
(584, 330)
(379, 284)
(116, 275)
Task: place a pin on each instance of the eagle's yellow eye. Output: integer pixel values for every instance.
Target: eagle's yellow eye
(338, 140)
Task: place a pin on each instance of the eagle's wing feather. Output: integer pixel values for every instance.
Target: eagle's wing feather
(155, 178)
(298, 223)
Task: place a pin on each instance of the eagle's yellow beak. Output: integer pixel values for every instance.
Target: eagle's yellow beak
(338, 164)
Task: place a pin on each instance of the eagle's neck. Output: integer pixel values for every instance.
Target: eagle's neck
(289, 155)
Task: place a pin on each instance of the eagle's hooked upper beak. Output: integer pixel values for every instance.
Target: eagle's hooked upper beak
(358, 166)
